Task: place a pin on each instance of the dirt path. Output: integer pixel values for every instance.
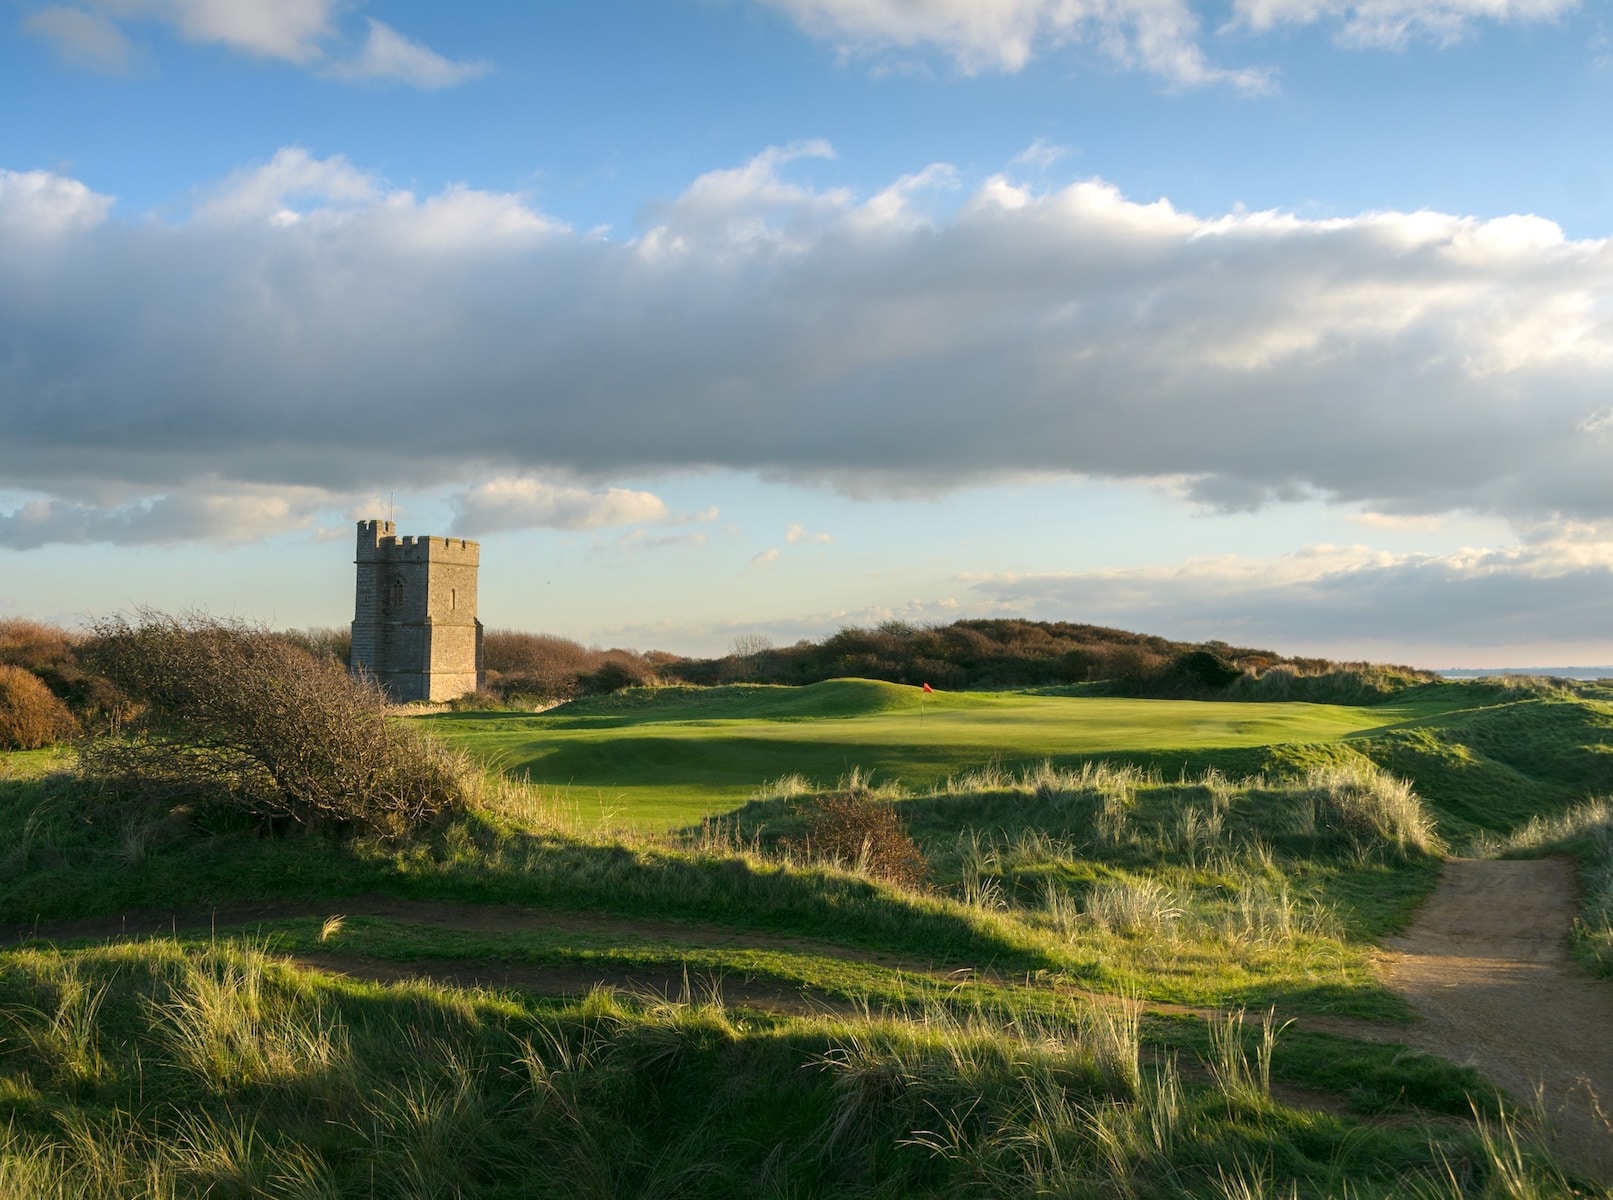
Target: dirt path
(1487, 967)
(475, 918)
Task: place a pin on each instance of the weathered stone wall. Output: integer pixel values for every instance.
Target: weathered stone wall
(414, 620)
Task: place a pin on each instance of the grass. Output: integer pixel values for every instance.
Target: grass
(986, 1033)
(326, 1087)
(669, 756)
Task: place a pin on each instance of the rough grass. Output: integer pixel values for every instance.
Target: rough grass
(1204, 891)
(337, 1089)
(211, 1068)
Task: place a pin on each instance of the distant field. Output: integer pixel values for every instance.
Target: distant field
(670, 756)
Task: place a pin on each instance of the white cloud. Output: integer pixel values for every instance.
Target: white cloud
(526, 503)
(794, 534)
(1040, 154)
(1408, 363)
(304, 32)
(283, 29)
(266, 192)
(766, 558)
(35, 204)
(391, 57)
(1393, 23)
(88, 39)
(1160, 36)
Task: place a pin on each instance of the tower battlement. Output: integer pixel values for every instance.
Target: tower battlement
(414, 615)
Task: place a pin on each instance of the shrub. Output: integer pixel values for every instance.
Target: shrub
(31, 715)
(557, 668)
(849, 830)
(323, 641)
(236, 715)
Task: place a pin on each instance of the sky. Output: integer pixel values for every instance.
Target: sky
(1283, 322)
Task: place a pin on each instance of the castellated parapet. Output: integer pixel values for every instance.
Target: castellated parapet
(414, 616)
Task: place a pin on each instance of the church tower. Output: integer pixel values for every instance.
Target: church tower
(414, 615)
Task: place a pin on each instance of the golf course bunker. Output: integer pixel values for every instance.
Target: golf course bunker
(1487, 967)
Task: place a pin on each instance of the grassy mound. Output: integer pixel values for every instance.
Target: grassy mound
(159, 1070)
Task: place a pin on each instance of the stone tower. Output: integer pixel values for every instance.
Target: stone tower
(414, 619)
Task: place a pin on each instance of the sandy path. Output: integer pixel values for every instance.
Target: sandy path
(1486, 965)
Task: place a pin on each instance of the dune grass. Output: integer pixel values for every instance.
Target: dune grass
(983, 1032)
(219, 1070)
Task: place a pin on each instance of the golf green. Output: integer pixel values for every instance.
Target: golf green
(672, 755)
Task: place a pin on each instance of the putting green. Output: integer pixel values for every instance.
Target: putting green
(672, 755)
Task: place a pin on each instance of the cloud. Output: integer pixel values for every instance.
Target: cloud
(640, 539)
(302, 32)
(794, 534)
(766, 558)
(1040, 154)
(717, 637)
(291, 30)
(526, 503)
(310, 325)
(391, 57)
(39, 204)
(1394, 23)
(88, 39)
(1160, 36)
(217, 512)
(1368, 601)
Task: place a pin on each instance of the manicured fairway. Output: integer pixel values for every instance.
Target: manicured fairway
(671, 756)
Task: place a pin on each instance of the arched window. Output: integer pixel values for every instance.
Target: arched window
(394, 598)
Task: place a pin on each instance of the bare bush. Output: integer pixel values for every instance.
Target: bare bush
(849, 830)
(557, 668)
(323, 641)
(31, 715)
(238, 715)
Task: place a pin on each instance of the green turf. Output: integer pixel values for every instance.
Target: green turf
(671, 756)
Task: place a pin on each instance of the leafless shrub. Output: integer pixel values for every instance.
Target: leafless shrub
(323, 641)
(237, 715)
(31, 716)
(849, 830)
(557, 668)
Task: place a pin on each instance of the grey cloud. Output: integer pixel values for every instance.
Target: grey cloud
(1377, 604)
(222, 512)
(314, 329)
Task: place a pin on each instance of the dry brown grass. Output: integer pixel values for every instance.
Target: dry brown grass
(31, 716)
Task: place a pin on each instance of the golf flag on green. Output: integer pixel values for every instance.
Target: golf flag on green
(928, 688)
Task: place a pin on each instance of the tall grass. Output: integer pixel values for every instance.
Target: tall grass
(1585, 830)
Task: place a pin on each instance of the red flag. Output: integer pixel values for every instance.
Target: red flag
(928, 688)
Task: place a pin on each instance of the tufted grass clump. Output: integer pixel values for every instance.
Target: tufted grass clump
(1368, 807)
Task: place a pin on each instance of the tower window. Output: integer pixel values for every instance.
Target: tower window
(394, 598)
(453, 598)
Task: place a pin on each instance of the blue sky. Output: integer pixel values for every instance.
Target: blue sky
(1281, 321)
